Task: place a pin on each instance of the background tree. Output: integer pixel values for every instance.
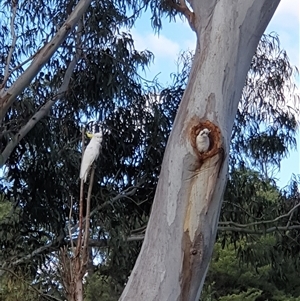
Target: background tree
(232, 278)
(117, 255)
(52, 148)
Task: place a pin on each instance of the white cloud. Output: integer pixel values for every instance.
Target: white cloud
(161, 46)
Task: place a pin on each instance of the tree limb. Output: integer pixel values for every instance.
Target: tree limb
(258, 232)
(80, 223)
(69, 225)
(22, 63)
(126, 193)
(88, 210)
(181, 7)
(42, 57)
(230, 223)
(235, 229)
(100, 243)
(52, 246)
(45, 109)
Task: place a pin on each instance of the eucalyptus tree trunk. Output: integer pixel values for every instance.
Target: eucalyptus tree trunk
(181, 232)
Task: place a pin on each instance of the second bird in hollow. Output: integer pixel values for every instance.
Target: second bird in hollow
(202, 141)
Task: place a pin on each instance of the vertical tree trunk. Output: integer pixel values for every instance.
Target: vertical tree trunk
(181, 232)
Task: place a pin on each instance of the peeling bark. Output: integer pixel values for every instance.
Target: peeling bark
(178, 244)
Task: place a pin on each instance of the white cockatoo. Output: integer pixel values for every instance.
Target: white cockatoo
(91, 154)
(202, 140)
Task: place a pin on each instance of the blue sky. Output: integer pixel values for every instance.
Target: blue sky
(176, 37)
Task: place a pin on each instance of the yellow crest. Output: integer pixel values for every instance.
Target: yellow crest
(89, 134)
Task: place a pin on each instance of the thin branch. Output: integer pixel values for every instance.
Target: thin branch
(229, 223)
(235, 229)
(51, 298)
(65, 270)
(258, 232)
(242, 209)
(28, 59)
(87, 218)
(291, 216)
(127, 192)
(136, 237)
(78, 246)
(50, 246)
(69, 225)
(98, 243)
(23, 63)
(136, 73)
(103, 243)
(139, 230)
(13, 44)
(45, 109)
(45, 53)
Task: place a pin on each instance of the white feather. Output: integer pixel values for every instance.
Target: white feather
(91, 154)
(202, 141)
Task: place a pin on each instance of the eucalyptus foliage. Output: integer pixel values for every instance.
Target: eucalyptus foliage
(232, 279)
(41, 179)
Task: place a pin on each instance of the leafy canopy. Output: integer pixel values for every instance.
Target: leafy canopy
(41, 182)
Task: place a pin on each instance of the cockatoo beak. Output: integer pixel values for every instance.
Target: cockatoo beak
(90, 135)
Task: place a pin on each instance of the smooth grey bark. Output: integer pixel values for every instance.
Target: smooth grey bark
(181, 232)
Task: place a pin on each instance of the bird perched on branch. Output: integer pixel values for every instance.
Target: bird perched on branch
(202, 141)
(91, 154)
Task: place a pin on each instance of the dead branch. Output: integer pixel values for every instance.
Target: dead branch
(65, 270)
(80, 223)
(85, 246)
(69, 224)
(126, 193)
(88, 208)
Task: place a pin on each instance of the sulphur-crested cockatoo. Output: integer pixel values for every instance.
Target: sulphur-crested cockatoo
(91, 154)
(202, 141)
